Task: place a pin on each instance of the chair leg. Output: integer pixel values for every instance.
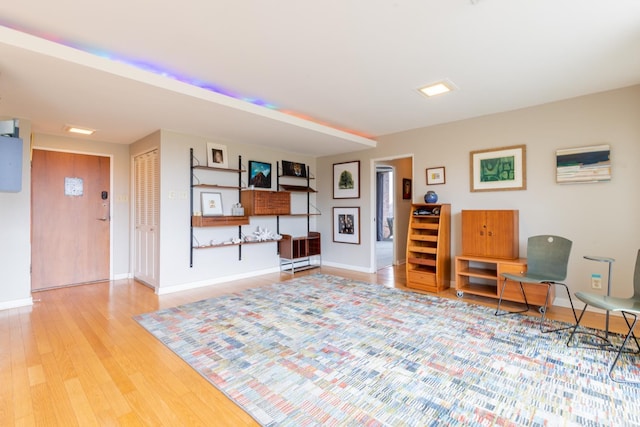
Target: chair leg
(577, 325)
(609, 345)
(621, 350)
(631, 329)
(504, 285)
(546, 305)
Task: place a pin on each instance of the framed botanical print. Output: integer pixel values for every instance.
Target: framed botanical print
(346, 180)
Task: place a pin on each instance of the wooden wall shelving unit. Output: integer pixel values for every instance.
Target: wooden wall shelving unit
(216, 221)
(297, 253)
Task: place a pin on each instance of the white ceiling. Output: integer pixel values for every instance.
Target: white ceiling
(348, 65)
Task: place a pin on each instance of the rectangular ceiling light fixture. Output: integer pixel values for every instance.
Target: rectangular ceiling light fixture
(437, 88)
(79, 130)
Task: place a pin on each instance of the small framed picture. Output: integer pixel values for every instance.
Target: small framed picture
(406, 188)
(346, 225)
(294, 169)
(217, 155)
(211, 204)
(346, 180)
(259, 174)
(435, 176)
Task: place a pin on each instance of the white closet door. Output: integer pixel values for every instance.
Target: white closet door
(147, 217)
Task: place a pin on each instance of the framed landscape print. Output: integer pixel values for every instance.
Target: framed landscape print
(499, 169)
(583, 164)
(259, 174)
(346, 225)
(346, 180)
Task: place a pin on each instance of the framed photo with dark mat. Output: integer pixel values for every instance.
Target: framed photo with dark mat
(346, 225)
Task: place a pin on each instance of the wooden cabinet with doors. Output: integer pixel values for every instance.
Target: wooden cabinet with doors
(428, 247)
(490, 233)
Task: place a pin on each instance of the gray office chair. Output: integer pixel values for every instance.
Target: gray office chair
(547, 260)
(628, 307)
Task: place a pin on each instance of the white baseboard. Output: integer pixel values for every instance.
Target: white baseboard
(25, 302)
(210, 282)
(348, 267)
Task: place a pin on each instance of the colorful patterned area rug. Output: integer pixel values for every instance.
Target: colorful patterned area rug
(324, 350)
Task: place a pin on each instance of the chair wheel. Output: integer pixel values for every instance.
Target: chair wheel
(541, 310)
(459, 294)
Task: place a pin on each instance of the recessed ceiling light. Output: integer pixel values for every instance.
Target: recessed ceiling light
(437, 88)
(79, 130)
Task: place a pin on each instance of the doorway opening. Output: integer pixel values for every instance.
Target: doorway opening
(385, 212)
(392, 210)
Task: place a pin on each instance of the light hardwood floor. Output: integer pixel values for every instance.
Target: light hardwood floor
(78, 358)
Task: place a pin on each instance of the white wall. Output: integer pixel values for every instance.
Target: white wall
(214, 265)
(601, 218)
(15, 244)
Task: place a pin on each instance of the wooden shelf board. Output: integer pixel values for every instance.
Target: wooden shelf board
(228, 187)
(424, 237)
(224, 245)
(211, 168)
(422, 261)
(422, 250)
(425, 226)
(479, 272)
(297, 188)
(219, 221)
(482, 290)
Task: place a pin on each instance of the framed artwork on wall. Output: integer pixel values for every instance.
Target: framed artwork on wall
(406, 188)
(259, 174)
(294, 169)
(217, 155)
(346, 180)
(435, 176)
(583, 164)
(499, 169)
(346, 225)
(211, 204)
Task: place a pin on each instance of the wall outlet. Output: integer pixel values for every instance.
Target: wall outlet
(596, 281)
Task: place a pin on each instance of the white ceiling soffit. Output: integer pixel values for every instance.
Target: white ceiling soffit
(145, 100)
(354, 65)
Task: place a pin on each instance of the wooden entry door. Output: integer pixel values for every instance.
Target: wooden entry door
(70, 219)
